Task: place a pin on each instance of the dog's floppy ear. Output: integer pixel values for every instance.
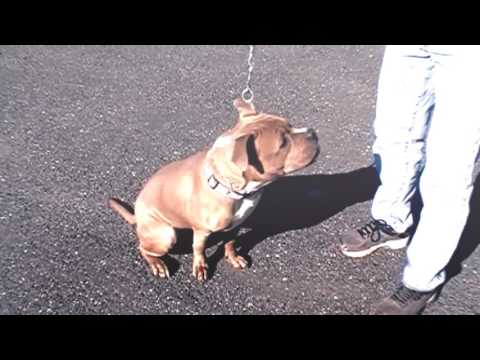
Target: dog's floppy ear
(239, 153)
(235, 168)
(245, 157)
(243, 108)
(245, 154)
(234, 159)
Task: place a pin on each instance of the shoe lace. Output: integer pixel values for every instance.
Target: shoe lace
(373, 230)
(403, 295)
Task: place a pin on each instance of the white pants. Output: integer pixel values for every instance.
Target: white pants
(427, 118)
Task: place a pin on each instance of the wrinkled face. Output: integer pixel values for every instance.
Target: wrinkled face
(261, 147)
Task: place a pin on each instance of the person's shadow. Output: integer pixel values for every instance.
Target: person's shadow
(292, 202)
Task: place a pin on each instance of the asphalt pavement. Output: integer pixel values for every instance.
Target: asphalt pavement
(81, 123)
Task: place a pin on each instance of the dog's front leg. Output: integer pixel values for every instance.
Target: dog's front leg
(200, 266)
(237, 261)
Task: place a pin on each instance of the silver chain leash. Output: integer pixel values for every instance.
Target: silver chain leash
(247, 93)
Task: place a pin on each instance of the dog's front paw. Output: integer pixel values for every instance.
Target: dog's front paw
(237, 261)
(200, 268)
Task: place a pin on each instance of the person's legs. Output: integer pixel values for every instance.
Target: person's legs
(404, 102)
(405, 98)
(446, 183)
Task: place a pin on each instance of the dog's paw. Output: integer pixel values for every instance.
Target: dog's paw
(200, 269)
(159, 268)
(237, 262)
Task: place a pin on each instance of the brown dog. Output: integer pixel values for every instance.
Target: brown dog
(216, 189)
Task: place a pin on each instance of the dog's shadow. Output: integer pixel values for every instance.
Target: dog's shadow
(298, 202)
(292, 202)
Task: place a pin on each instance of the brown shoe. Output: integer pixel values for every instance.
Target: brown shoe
(404, 301)
(370, 237)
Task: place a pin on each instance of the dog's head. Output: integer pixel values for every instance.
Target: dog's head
(260, 148)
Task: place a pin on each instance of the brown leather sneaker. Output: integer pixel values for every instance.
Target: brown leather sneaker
(404, 301)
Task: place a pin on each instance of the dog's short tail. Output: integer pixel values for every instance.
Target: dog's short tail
(122, 210)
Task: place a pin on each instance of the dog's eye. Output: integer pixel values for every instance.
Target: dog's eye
(284, 142)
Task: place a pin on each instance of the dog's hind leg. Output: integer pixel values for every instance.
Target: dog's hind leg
(155, 241)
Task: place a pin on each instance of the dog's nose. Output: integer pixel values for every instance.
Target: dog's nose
(311, 134)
